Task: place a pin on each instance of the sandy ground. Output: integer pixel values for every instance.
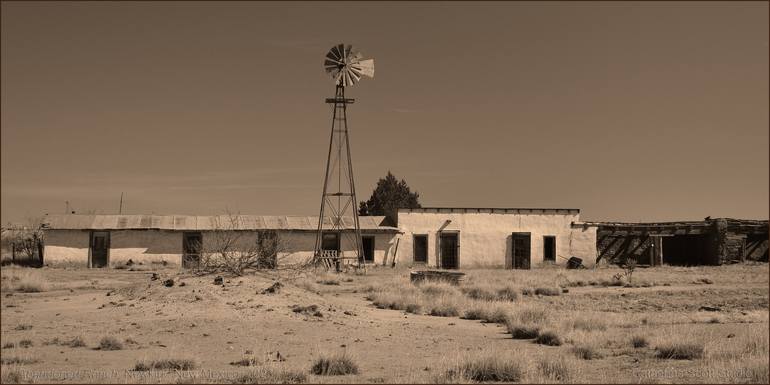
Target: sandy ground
(216, 325)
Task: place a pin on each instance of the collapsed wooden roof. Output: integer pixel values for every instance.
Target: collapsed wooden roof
(706, 226)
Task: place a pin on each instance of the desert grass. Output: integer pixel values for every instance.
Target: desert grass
(556, 369)
(492, 312)
(23, 327)
(9, 345)
(267, 374)
(639, 341)
(22, 280)
(11, 374)
(110, 343)
(165, 364)
(486, 367)
(586, 352)
(25, 343)
(18, 360)
(548, 338)
(334, 364)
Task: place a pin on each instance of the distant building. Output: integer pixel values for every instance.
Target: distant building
(104, 240)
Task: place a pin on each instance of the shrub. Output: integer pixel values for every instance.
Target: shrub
(334, 365)
(548, 338)
(437, 288)
(165, 364)
(507, 293)
(548, 291)
(76, 342)
(17, 360)
(247, 361)
(110, 343)
(532, 315)
(445, 306)
(25, 343)
(523, 331)
(328, 282)
(680, 351)
(271, 375)
(586, 352)
(9, 345)
(555, 369)
(479, 293)
(639, 342)
(488, 368)
(23, 327)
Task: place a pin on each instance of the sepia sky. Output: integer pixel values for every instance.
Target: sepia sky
(628, 111)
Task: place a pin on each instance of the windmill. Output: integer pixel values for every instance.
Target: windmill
(346, 66)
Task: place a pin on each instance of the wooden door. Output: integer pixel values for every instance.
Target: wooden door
(367, 243)
(520, 249)
(100, 249)
(449, 245)
(192, 245)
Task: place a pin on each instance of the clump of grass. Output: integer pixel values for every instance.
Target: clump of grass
(487, 368)
(338, 364)
(549, 338)
(589, 324)
(758, 373)
(522, 331)
(9, 345)
(25, 343)
(436, 289)
(680, 351)
(555, 369)
(479, 293)
(532, 315)
(165, 364)
(247, 361)
(333, 282)
(270, 375)
(704, 280)
(307, 310)
(10, 376)
(639, 342)
(507, 293)
(110, 343)
(548, 291)
(16, 360)
(24, 282)
(402, 300)
(586, 352)
(486, 312)
(23, 327)
(76, 342)
(444, 307)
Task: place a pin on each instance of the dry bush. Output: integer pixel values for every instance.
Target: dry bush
(25, 343)
(338, 364)
(489, 367)
(587, 323)
(9, 345)
(548, 291)
(479, 293)
(17, 360)
(531, 315)
(556, 369)
(549, 338)
(487, 312)
(638, 341)
(23, 280)
(680, 351)
(267, 374)
(165, 364)
(10, 375)
(445, 306)
(406, 300)
(508, 293)
(23, 327)
(437, 289)
(586, 352)
(522, 331)
(330, 282)
(110, 343)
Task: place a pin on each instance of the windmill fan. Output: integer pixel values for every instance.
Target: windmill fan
(345, 65)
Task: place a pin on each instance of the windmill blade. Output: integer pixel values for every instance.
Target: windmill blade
(352, 74)
(365, 67)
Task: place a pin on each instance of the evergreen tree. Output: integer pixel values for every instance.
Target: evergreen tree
(388, 197)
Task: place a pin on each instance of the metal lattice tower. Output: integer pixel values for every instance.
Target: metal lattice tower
(339, 210)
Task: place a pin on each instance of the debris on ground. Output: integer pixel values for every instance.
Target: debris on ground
(709, 308)
(274, 288)
(168, 283)
(154, 277)
(219, 280)
(307, 310)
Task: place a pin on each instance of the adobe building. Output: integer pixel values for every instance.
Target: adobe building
(513, 238)
(108, 240)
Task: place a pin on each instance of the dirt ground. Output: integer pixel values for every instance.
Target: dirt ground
(218, 324)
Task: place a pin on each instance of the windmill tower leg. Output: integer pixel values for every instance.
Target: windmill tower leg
(339, 195)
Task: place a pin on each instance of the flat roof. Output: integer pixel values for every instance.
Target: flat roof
(199, 222)
(495, 210)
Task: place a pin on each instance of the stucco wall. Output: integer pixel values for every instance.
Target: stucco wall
(485, 238)
(72, 246)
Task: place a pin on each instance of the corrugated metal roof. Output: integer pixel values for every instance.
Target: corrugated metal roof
(199, 223)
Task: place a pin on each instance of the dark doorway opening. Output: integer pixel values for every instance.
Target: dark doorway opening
(686, 250)
(448, 245)
(549, 248)
(330, 242)
(421, 249)
(192, 244)
(100, 249)
(520, 250)
(367, 243)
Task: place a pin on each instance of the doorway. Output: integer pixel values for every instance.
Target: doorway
(99, 251)
(686, 250)
(549, 248)
(448, 245)
(192, 244)
(367, 243)
(520, 250)
(420, 249)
